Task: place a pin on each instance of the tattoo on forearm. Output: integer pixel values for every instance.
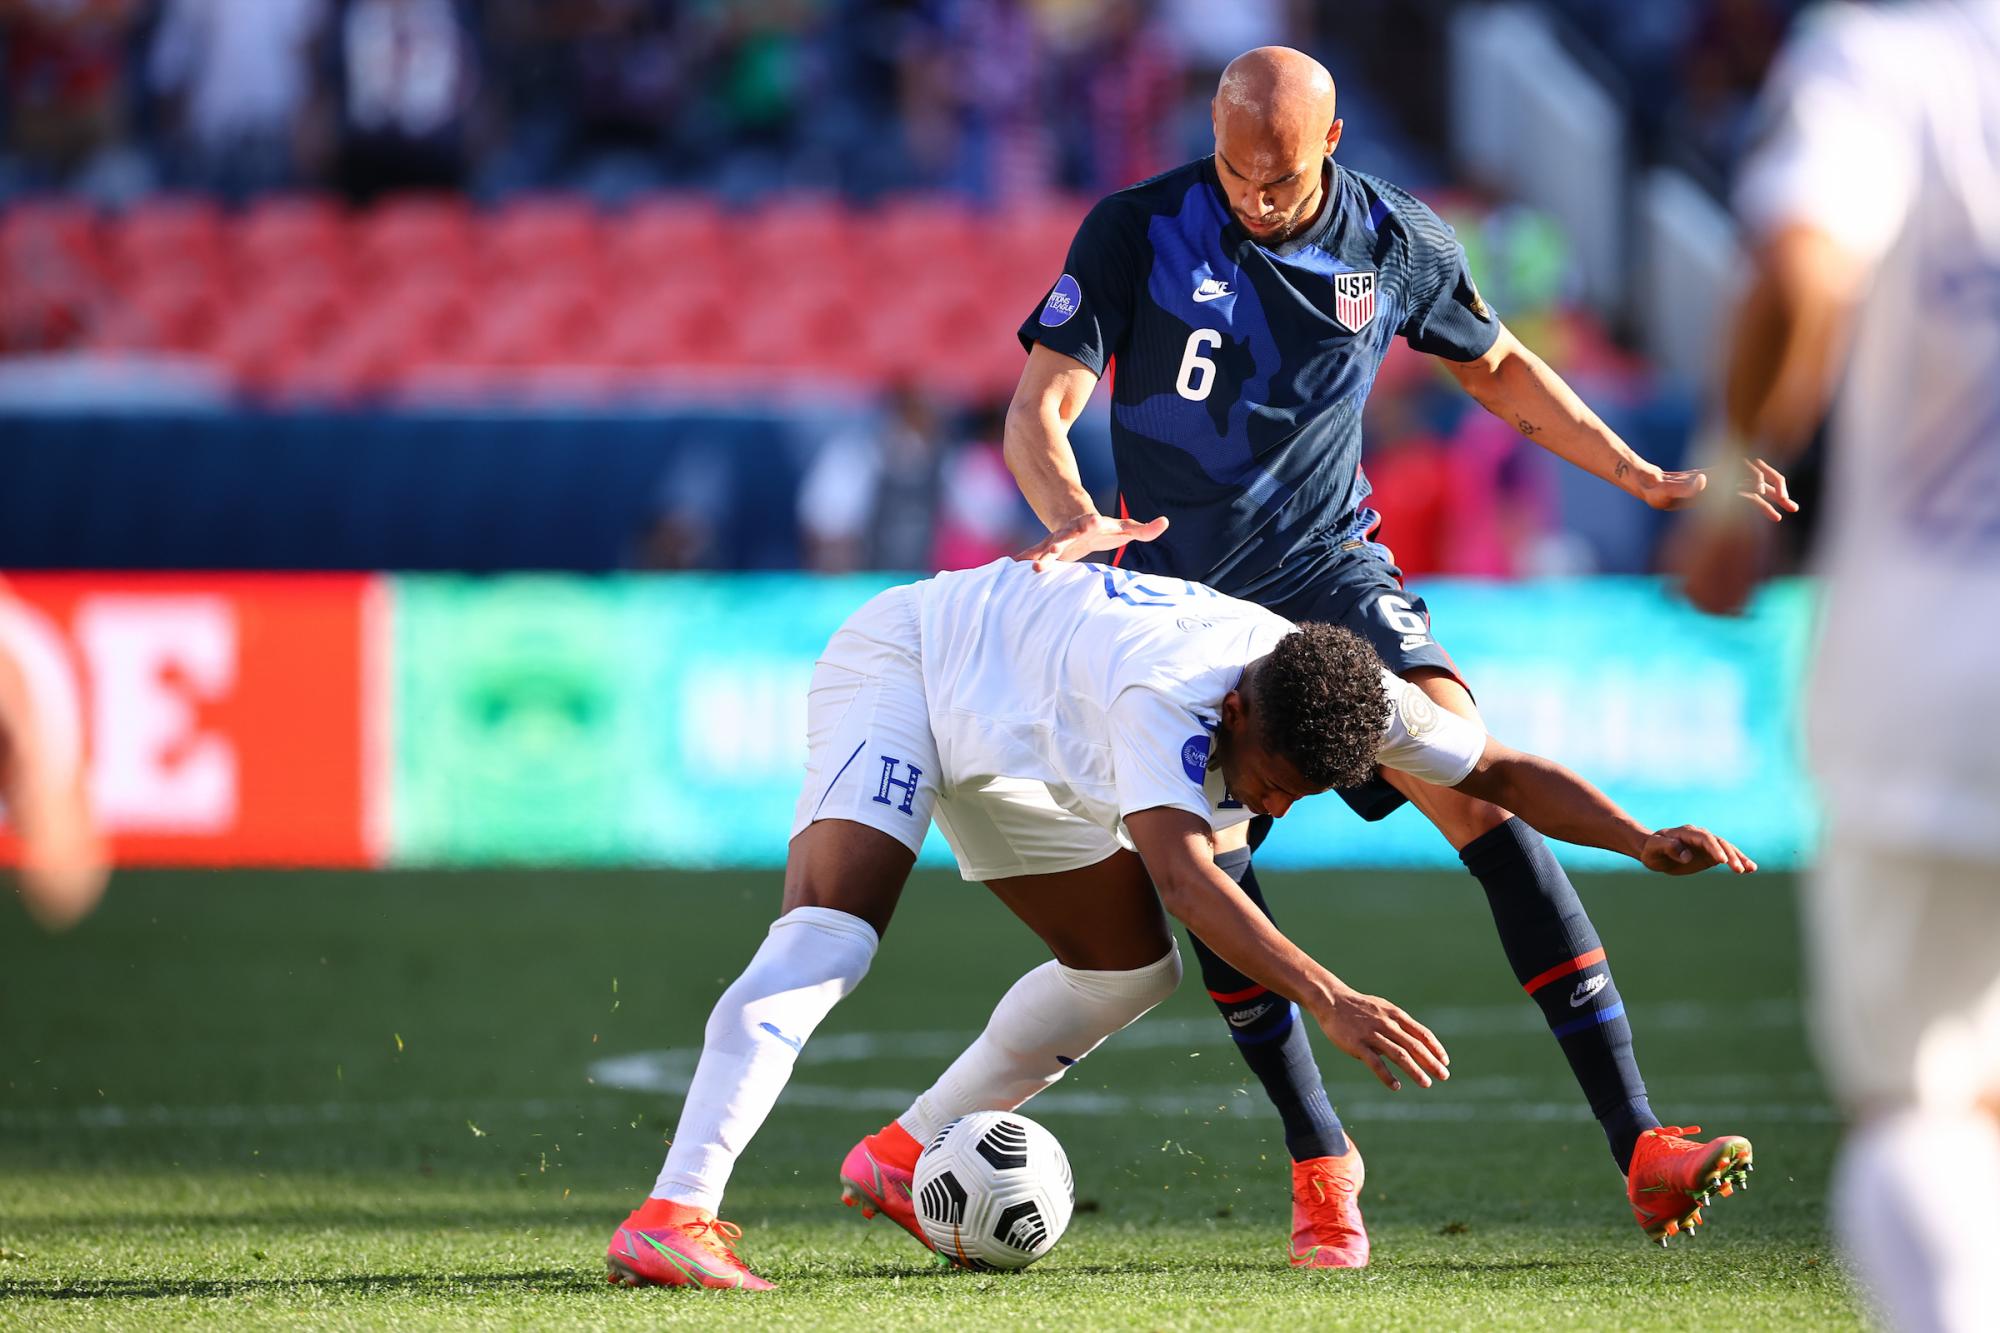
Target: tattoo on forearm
(1622, 468)
(1527, 427)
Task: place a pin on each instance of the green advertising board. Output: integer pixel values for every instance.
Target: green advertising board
(661, 719)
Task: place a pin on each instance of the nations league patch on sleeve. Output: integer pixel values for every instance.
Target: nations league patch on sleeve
(1063, 302)
(1194, 759)
(1420, 715)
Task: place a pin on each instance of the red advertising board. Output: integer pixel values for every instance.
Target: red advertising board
(222, 715)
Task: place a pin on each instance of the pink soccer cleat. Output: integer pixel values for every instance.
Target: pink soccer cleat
(670, 1245)
(1327, 1231)
(1673, 1177)
(876, 1175)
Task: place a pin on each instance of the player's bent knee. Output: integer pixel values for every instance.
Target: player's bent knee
(848, 867)
(811, 958)
(1132, 992)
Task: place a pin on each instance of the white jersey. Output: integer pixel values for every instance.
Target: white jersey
(1884, 133)
(1107, 687)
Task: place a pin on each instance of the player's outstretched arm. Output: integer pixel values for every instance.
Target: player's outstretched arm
(1047, 402)
(1559, 804)
(63, 865)
(1175, 846)
(1519, 387)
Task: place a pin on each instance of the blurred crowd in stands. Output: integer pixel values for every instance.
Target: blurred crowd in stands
(992, 98)
(333, 201)
(1690, 69)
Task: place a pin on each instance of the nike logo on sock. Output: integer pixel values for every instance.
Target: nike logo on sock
(1584, 989)
(794, 1042)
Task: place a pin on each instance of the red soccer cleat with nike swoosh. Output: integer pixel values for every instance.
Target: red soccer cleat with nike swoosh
(1673, 1176)
(665, 1244)
(877, 1174)
(1327, 1231)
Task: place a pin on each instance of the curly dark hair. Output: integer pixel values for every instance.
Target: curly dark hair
(1320, 704)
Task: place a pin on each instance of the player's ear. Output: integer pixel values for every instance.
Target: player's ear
(1235, 709)
(1333, 135)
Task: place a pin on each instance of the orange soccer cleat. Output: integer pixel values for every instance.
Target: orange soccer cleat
(1673, 1177)
(876, 1175)
(1327, 1231)
(665, 1244)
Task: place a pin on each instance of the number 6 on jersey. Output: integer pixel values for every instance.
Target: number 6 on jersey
(1197, 375)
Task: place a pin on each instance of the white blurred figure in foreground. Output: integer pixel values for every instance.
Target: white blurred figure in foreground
(62, 864)
(1872, 208)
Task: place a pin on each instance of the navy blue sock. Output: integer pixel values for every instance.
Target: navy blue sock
(1271, 1038)
(1558, 960)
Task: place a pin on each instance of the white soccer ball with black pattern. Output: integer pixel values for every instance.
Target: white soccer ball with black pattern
(994, 1191)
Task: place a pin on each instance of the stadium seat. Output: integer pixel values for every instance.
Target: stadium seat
(546, 323)
(415, 233)
(694, 327)
(806, 326)
(914, 231)
(167, 312)
(532, 235)
(665, 234)
(170, 235)
(53, 247)
(796, 232)
(1032, 241)
(266, 340)
(283, 234)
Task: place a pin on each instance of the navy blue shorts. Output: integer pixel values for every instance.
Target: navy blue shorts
(1360, 589)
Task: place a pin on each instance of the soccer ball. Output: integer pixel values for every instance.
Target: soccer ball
(994, 1191)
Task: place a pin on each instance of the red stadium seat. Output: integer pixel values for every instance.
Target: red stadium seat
(695, 326)
(170, 235)
(1033, 240)
(918, 232)
(51, 247)
(543, 323)
(796, 232)
(536, 234)
(169, 312)
(275, 327)
(415, 232)
(287, 233)
(806, 326)
(665, 233)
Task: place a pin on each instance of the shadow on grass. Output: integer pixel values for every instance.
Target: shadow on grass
(143, 1289)
(460, 1219)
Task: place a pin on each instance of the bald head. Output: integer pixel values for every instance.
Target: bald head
(1278, 89)
(1274, 124)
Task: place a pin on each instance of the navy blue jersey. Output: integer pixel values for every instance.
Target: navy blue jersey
(1241, 370)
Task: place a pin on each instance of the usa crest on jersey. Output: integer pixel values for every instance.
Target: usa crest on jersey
(1354, 299)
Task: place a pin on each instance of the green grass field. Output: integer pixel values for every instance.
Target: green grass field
(364, 1100)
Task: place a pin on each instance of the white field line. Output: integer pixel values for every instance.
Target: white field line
(666, 1074)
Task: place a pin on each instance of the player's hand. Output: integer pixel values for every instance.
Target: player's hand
(1671, 490)
(1689, 850)
(1720, 563)
(1087, 534)
(1761, 484)
(1377, 1033)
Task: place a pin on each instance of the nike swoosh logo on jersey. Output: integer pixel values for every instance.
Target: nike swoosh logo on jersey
(1212, 290)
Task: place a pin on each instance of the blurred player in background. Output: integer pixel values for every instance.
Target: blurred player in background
(1872, 206)
(62, 870)
(1248, 300)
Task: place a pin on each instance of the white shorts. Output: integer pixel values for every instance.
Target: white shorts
(1905, 953)
(871, 758)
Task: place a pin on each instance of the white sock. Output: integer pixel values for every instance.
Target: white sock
(810, 960)
(1914, 1194)
(1050, 1019)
